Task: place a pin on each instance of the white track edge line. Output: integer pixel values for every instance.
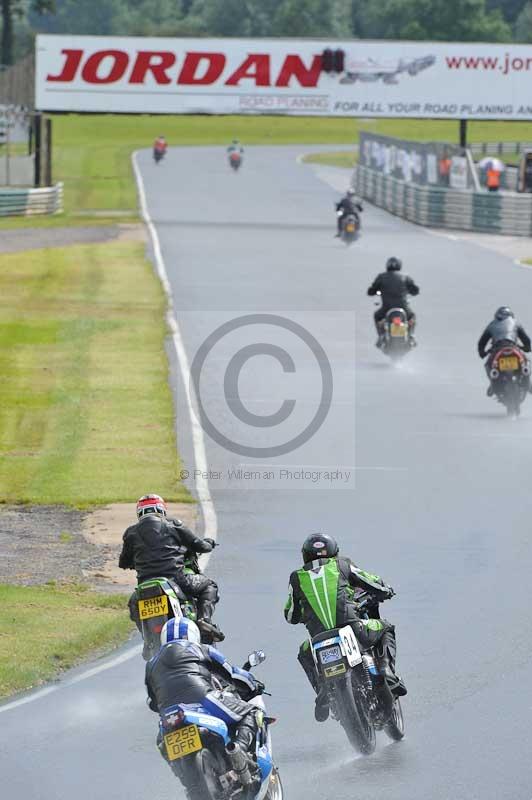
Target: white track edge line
(210, 521)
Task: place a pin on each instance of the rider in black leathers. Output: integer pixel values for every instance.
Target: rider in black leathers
(347, 205)
(503, 329)
(185, 671)
(158, 546)
(394, 290)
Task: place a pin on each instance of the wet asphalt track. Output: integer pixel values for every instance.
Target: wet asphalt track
(441, 507)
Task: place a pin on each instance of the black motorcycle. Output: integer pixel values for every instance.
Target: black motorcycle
(509, 372)
(158, 154)
(359, 697)
(349, 227)
(396, 339)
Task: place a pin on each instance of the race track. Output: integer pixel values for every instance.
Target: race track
(440, 505)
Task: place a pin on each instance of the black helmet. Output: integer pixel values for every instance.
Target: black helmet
(319, 545)
(503, 313)
(393, 264)
(351, 192)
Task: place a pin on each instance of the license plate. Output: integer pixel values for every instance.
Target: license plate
(508, 363)
(397, 329)
(332, 672)
(330, 654)
(182, 742)
(350, 228)
(153, 606)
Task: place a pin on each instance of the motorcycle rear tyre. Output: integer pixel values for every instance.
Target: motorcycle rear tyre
(198, 773)
(354, 718)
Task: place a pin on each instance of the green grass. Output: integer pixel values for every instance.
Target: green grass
(86, 413)
(46, 629)
(333, 159)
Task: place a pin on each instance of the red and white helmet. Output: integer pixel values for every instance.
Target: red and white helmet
(151, 504)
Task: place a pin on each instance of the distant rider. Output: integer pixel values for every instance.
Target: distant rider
(394, 290)
(185, 671)
(347, 205)
(158, 546)
(333, 578)
(160, 146)
(502, 330)
(235, 147)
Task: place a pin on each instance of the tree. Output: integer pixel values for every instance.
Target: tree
(523, 25)
(510, 9)
(440, 20)
(10, 10)
(313, 18)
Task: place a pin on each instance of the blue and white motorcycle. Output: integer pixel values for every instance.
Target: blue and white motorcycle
(197, 746)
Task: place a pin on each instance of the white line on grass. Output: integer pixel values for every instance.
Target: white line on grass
(202, 484)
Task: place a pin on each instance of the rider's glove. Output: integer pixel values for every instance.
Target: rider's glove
(210, 541)
(390, 591)
(259, 687)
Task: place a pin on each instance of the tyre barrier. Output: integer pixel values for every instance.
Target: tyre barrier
(25, 202)
(439, 207)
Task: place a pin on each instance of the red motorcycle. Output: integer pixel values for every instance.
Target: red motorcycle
(235, 160)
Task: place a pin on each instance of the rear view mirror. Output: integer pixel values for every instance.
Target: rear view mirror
(256, 657)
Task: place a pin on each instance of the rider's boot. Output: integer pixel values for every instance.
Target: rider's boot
(380, 334)
(205, 623)
(321, 708)
(386, 657)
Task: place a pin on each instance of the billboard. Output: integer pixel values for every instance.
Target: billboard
(282, 76)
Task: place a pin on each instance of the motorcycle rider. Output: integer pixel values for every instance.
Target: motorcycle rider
(394, 290)
(235, 147)
(186, 671)
(158, 546)
(502, 330)
(347, 205)
(328, 576)
(160, 145)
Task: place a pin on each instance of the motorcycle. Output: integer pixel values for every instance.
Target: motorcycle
(199, 750)
(158, 154)
(395, 334)
(235, 160)
(349, 227)
(510, 377)
(159, 600)
(359, 697)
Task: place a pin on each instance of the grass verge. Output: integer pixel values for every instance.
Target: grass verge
(335, 159)
(45, 629)
(86, 413)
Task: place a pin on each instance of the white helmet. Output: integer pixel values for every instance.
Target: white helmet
(181, 628)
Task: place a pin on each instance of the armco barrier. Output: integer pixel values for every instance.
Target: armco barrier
(438, 207)
(23, 202)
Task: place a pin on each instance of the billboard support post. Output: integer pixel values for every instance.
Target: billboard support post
(463, 133)
(37, 121)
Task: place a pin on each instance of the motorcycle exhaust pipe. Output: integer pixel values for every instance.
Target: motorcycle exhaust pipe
(494, 374)
(239, 762)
